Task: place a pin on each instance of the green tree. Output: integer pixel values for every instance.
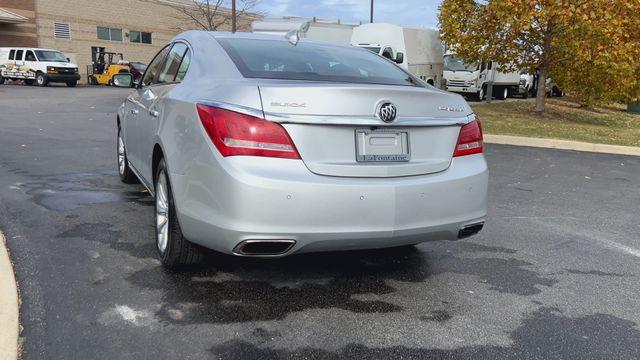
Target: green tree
(590, 47)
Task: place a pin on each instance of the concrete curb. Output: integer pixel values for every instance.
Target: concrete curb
(561, 144)
(9, 330)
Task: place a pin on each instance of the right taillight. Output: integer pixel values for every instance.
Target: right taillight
(469, 140)
(234, 133)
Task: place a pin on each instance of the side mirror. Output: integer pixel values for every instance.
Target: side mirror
(399, 58)
(122, 80)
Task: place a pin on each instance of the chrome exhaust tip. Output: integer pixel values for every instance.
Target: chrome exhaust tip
(264, 247)
(470, 229)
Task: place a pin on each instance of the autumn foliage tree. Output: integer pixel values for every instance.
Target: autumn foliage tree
(591, 48)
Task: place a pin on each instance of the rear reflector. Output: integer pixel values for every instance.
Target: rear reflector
(234, 133)
(470, 139)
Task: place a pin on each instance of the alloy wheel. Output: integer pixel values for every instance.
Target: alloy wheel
(121, 155)
(162, 212)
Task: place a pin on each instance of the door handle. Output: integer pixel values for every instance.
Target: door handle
(134, 111)
(154, 113)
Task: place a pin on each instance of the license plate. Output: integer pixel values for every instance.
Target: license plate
(382, 145)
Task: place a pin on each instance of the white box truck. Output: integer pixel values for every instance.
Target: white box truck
(417, 50)
(324, 30)
(472, 79)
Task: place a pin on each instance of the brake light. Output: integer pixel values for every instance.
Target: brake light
(234, 133)
(469, 140)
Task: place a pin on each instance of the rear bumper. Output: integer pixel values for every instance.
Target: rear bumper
(263, 198)
(63, 77)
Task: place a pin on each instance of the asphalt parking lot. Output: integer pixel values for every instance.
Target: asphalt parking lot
(554, 275)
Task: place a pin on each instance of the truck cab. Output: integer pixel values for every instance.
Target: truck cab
(416, 50)
(35, 65)
(473, 79)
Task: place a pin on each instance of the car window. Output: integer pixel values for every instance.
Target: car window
(275, 59)
(172, 63)
(154, 67)
(11, 54)
(19, 55)
(29, 56)
(184, 66)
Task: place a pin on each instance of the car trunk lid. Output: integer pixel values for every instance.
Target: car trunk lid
(337, 132)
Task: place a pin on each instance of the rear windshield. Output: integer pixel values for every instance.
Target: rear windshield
(273, 59)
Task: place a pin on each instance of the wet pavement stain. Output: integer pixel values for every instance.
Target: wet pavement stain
(545, 334)
(503, 275)
(594, 272)
(241, 289)
(72, 191)
(437, 316)
(103, 233)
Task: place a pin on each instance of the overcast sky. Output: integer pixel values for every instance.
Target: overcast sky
(403, 12)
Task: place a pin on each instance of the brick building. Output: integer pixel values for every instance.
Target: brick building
(136, 28)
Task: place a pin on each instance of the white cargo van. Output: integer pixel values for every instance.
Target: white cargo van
(416, 50)
(472, 79)
(324, 30)
(39, 66)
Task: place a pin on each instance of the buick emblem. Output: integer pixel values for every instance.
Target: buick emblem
(387, 112)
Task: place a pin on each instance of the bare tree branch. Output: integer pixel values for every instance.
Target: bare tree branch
(210, 15)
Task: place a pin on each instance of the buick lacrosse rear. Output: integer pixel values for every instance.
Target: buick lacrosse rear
(257, 145)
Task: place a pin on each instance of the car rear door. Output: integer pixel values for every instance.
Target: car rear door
(138, 110)
(154, 102)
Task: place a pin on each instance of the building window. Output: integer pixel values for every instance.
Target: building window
(140, 37)
(110, 34)
(61, 30)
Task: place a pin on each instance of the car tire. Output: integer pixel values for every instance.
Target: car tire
(110, 82)
(41, 79)
(126, 174)
(174, 250)
(72, 83)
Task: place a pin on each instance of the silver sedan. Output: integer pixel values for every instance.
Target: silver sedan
(259, 145)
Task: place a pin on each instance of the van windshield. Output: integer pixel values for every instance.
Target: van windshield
(275, 59)
(454, 64)
(48, 55)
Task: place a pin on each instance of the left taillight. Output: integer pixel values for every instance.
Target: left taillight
(234, 133)
(469, 140)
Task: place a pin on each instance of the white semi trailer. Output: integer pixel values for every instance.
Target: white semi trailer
(472, 79)
(417, 50)
(324, 30)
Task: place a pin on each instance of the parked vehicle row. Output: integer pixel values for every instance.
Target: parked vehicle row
(257, 145)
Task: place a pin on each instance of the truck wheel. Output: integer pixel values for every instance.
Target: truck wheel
(503, 93)
(41, 79)
(72, 83)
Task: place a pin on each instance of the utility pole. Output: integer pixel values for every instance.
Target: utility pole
(371, 17)
(233, 15)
